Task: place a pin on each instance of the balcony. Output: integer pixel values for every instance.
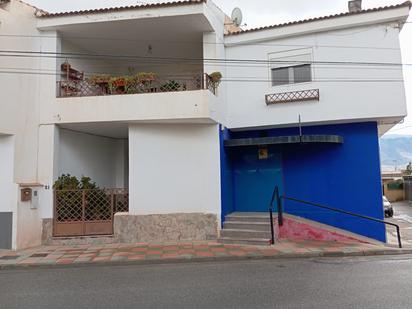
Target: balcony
(103, 85)
(147, 70)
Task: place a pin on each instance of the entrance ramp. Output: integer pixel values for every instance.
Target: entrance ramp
(297, 228)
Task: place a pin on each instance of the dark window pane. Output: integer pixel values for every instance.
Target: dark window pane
(280, 76)
(302, 73)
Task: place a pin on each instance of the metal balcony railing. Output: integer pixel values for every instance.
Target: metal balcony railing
(85, 87)
(293, 96)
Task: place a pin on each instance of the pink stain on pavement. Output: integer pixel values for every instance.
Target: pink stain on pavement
(293, 229)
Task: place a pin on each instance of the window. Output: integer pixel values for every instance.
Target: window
(291, 75)
(302, 73)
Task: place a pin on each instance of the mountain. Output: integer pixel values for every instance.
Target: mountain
(395, 150)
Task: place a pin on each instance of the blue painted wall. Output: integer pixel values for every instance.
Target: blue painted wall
(343, 176)
(226, 177)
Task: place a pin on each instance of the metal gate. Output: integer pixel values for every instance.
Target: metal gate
(87, 212)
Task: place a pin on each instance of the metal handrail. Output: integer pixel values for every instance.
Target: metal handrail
(275, 194)
(280, 211)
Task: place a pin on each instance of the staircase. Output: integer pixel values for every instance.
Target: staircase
(246, 228)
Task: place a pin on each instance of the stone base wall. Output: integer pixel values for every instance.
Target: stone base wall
(144, 228)
(130, 228)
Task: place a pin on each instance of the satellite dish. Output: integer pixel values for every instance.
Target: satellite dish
(237, 17)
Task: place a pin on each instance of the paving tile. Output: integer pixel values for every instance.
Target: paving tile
(101, 259)
(122, 253)
(139, 249)
(204, 254)
(153, 256)
(154, 252)
(65, 261)
(118, 258)
(186, 251)
(83, 260)
(138, 257)
(170, 248)
(104, 254)
(237, 253)
(182, 250)
(221, 254)
(219, 249)
(170, 255)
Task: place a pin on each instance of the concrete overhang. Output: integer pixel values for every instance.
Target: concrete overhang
(192, 15)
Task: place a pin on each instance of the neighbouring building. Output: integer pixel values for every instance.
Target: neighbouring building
(393, 185)
(131, 97)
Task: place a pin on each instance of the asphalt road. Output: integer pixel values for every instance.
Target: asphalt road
(375, 282)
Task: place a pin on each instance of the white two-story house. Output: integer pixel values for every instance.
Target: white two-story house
(131, 97)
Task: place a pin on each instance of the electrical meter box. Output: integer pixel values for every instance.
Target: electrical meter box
(35, 199)
(26, 194)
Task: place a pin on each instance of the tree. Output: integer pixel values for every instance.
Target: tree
(408, 170)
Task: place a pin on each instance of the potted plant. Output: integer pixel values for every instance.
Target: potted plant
(97, 79)
(146, 77)
(215, 79)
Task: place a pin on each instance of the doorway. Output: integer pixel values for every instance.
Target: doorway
(256, 172)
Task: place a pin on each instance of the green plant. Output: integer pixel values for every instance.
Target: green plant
(87, 183)
(215, 79)
(170, 86)
(66, 182)
(130, 83)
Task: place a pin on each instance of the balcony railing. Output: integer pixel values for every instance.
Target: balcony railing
(85, 87)
(293, 96)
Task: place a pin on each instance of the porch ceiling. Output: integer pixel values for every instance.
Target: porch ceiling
(112, 130)
(177, 35)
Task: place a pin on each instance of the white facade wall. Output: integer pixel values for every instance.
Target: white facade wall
(21, 102)
(342, 98)
(100, 158)
(174, 169)
(182, 106)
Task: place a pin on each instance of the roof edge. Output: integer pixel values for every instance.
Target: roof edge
(303, 21)
(45, 14)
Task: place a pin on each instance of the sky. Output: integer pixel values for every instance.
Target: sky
(267, 12)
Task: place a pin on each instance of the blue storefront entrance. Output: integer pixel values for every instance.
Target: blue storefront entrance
(254, 179)
(344, 175)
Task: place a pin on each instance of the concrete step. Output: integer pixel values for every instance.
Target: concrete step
(246, 225)
(248, 217)
(245, 234)
(248, 241)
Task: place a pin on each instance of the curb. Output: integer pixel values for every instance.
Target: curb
(378, 252)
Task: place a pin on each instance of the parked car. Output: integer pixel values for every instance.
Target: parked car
(387, 206)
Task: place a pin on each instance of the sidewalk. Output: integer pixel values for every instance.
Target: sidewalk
(183, 252)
